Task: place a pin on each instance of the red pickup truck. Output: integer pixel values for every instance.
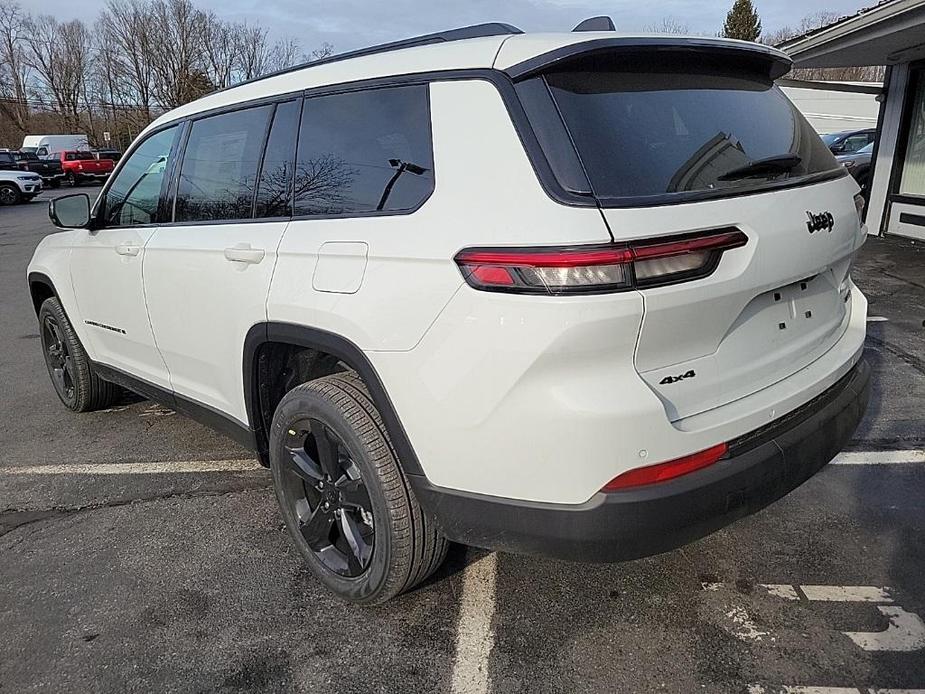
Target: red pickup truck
(83, 166)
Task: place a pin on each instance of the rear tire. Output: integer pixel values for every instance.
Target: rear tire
(355, 521)
(72, 179)
(55, 183)
(9, 194)
(69, 367)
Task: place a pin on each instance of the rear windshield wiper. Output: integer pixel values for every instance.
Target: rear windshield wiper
(780, 163)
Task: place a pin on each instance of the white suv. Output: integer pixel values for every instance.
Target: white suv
(18, 186)
(584, 295)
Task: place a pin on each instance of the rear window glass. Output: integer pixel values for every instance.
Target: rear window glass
(644, 132)
(79, 156)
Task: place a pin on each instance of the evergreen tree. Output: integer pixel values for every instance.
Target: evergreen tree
(742, 22)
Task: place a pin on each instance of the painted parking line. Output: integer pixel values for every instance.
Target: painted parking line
(880, 457)
(474, 635)
(166, 467)
(760, 689)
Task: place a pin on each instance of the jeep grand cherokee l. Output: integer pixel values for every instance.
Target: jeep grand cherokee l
(585, 295)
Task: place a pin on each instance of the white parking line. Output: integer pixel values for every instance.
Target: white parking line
(166, 467)
(759, 689)
(906, 633)
(474, 636)
(880, 457)
(846, 593)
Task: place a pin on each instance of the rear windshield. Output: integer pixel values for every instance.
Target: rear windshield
(643, 132)
(79, 156)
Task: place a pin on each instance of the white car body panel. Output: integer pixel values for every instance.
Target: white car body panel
(534, 398)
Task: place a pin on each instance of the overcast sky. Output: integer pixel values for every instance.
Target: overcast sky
(349, 24)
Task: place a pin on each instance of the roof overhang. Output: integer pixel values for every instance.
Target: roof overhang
(892, 32)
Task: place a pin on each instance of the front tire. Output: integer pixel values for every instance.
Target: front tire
(9, 194)
(343, 495)
(69, 367)
(72, 179)
(55, 183)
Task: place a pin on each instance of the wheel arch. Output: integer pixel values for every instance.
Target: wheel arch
(41, 288)
(257, 388)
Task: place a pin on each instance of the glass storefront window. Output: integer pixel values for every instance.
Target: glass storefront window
(913, 174)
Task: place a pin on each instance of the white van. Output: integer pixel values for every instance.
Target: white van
(585, 295)
(43, 145)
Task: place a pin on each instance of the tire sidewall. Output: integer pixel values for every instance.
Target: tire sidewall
(17, 195)
(52, 308)
(298, 404)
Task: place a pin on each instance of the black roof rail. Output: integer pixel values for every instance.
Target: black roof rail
(602, 23)
(471, 32)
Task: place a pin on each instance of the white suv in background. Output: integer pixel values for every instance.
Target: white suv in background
(18, 186)
(584, 295)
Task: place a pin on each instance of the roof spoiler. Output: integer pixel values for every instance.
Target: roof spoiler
(769, 61)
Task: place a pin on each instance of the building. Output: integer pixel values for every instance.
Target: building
(892, 34)
(831, 107)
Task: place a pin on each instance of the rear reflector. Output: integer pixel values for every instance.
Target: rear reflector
(597, 269)
(662, 472)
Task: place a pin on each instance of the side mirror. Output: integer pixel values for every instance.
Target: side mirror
(70, 211)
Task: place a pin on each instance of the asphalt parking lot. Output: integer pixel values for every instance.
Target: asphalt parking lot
(142, 552)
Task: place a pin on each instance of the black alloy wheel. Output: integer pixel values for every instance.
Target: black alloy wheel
(9, 194)
(342, 493)
(327, 493)
(58, 358)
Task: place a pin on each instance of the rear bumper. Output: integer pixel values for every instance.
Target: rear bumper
(762, 466)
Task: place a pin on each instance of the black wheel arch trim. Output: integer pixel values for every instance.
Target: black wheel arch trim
(35, 279)
(337, 346)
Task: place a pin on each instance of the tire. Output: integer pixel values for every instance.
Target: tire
(56, 183)
(72, 179)
(357, 524)
(69, 368)
(9, 194)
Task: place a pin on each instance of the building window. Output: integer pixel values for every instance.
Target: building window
(913, 174)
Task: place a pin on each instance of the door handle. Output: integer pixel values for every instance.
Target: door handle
(243, 253)
(128, 249)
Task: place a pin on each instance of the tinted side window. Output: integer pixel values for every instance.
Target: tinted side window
(134, 194)
(274, 191)
(218, 175)
(365, 151)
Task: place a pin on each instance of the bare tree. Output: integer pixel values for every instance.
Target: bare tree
(129, 31)
(668, 25)
(61, 56)
(221, 51)
(14, 69)
(177, 56)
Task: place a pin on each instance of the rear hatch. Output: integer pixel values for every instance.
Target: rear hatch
(681, 142)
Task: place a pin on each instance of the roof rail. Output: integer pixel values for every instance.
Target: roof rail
(471, 32)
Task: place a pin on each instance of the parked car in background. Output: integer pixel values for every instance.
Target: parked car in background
(80, 166)
(111, 154)
(50, 170)
(858, 165)
(45, 145)
(18, 186)
(849, 141)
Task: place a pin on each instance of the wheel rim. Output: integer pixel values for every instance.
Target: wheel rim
(7, 195)
(58, 358)
(325, 492)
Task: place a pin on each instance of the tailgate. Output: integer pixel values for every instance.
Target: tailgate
(770, 308)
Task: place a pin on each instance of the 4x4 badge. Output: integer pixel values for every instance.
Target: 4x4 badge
(674, 379)
(817, 222)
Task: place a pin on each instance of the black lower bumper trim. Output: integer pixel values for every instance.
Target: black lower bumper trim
(640, 522)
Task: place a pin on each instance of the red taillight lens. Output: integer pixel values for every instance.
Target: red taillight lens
(662, 472)
(597, 269)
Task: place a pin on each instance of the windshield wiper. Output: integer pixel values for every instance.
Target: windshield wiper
(780, 163)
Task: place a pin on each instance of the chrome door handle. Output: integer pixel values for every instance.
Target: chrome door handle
(128, 249)
(243, 253)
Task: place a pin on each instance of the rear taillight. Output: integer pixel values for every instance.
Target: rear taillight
(662, 472)
(599, 268)
(859, 204)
